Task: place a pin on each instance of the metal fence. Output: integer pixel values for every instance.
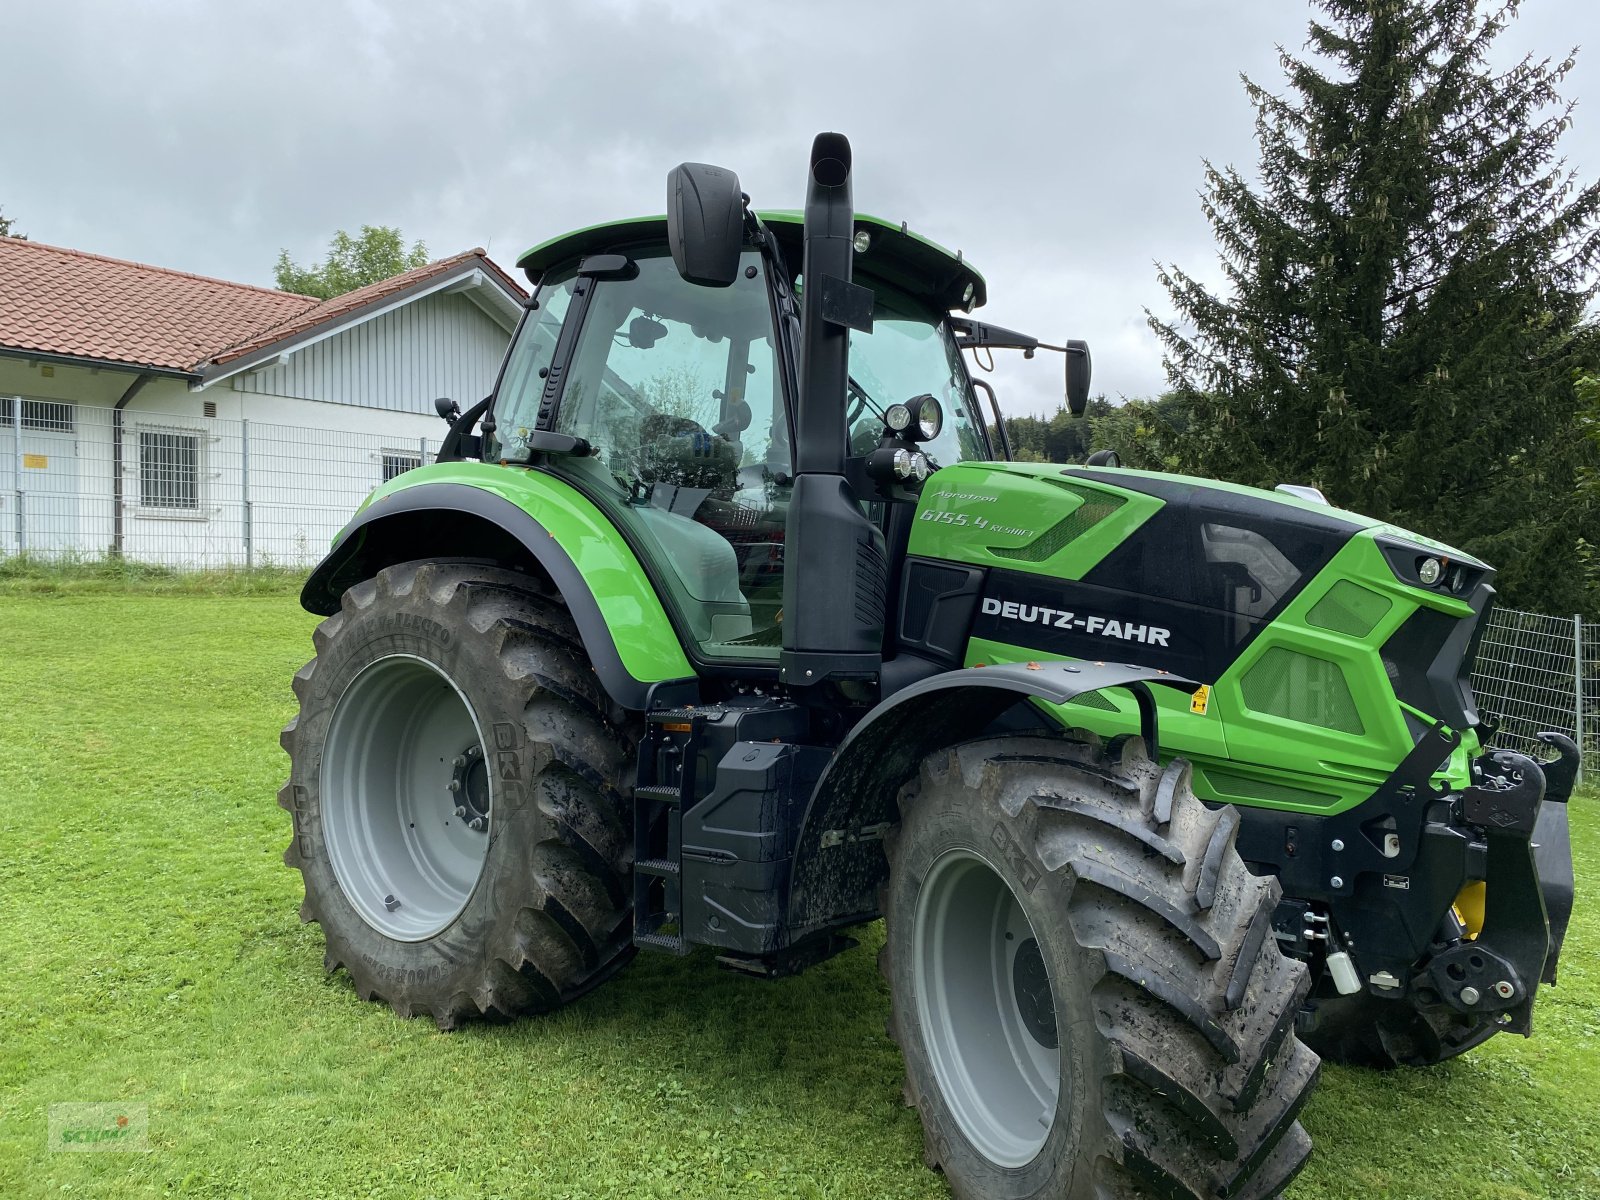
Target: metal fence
(1536, 672)
(183, 490)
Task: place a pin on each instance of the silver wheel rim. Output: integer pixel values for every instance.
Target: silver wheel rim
(986, 1009)
(403, 784)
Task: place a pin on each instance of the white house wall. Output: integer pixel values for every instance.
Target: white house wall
(443, 345)
(279, 474)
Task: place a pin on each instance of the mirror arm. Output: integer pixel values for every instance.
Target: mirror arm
(975, 335)
(460, 443)
(999, 420)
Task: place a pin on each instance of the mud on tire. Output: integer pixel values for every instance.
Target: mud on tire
(1176, 1070)
(541, 887)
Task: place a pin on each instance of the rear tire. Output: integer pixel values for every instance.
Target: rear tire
(456, 782)
(1042, 893)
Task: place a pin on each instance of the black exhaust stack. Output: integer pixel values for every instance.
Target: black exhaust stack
(836, 570)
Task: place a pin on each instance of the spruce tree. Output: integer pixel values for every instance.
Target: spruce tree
(1408, 275)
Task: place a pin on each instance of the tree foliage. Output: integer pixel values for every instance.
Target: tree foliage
(1407, 279)
(8, 227)
(1146, 434)
(379, 253)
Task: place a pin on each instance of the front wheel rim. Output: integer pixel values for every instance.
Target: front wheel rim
(406, 798)
(986, 1009)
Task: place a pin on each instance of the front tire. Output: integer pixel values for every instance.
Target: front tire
(456, 783)
(1084, 981)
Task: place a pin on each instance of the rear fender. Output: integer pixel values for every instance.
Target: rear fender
(839, 859)
(523, 520)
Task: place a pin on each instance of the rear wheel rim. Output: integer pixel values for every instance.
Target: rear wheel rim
(986, 1009)
(405, 802)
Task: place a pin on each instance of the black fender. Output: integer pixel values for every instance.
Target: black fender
(458, 521)
(839, 859)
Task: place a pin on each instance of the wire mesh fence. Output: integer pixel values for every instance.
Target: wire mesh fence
(1536, 672)
(183, 490)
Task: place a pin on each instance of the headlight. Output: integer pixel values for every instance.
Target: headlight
(898, 418)
(1429, 570)
(929, 418)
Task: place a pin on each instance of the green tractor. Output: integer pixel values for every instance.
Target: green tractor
(725, 621)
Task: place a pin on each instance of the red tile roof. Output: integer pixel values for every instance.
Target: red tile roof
(78, 305)
(66, 302)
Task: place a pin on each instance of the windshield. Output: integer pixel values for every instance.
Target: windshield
(910, 353)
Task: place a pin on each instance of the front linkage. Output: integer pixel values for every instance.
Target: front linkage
(1372, 894)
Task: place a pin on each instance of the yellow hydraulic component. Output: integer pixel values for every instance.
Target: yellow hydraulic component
(1469, 909)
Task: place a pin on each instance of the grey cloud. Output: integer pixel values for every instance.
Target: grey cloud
(1059, 146)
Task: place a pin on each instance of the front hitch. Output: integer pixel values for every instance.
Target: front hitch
(1497, 973)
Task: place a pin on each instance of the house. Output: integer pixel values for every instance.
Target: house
(171, 418)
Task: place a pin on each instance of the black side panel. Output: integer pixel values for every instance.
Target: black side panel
(452, 520)
(1098, 623)
(1429, 660)
(937, 603)
(1211, 568)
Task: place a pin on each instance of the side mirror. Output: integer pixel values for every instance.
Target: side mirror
(1078, 371)
(705, 223)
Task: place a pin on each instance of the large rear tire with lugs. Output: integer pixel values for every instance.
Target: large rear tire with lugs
(456, 782)
(1084, 981)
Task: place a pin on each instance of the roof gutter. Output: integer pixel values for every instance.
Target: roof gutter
(98, 364)
(133, 390)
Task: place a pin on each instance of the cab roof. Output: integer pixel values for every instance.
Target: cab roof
(895, 255)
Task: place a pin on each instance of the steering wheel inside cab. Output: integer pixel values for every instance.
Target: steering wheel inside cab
(679, 452)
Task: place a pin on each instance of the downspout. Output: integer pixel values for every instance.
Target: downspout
(134, 389)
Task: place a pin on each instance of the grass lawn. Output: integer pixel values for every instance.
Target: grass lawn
(150, 953)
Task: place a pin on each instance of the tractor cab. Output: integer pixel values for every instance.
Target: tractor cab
(671, 404)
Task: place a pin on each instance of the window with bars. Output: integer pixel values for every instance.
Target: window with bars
(169, 470)
(38, 414)
(398, 463)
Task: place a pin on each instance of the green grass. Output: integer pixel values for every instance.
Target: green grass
(151, 953)
(23, 575)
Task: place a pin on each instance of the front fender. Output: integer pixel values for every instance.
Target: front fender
(839, 858)
(465, 509)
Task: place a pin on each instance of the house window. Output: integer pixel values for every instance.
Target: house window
(38, 414)
(169, 470)
(398, 463)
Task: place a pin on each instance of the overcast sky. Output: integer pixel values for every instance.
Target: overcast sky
(1058, 145)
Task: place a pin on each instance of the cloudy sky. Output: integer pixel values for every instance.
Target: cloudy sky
(1058, 145)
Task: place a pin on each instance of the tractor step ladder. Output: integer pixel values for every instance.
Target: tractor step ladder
(665, 786)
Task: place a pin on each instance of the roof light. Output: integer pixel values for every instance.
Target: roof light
(862, 241)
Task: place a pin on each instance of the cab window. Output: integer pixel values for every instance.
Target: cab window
(677, 388)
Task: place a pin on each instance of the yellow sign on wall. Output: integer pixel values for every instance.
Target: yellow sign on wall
(36, 462)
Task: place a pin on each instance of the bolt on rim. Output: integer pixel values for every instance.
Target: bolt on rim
(986, 1008)
(406, 798)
